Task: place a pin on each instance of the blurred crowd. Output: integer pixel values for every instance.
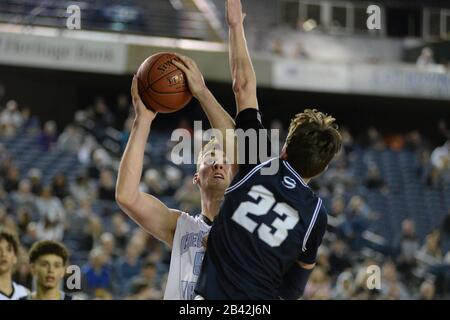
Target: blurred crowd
(120, 261)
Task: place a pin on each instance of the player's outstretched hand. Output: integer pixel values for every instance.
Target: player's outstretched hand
(139, 108)
(193, 74)
(234, 13)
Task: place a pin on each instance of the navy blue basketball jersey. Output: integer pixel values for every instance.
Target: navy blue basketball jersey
(266, 223)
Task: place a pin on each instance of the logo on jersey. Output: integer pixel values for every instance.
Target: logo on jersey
(192, 240)
(289, 183)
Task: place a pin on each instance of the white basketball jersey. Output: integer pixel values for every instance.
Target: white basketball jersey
(18, 292)
(187, 256)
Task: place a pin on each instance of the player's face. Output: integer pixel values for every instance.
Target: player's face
(8, 257)
(49, 270)
(214, 171)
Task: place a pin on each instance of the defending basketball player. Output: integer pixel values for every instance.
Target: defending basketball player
(264, 242)
(181, 231)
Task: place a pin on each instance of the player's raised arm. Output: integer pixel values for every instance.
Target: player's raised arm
(243, 74)
(150, 213)
(217, 116)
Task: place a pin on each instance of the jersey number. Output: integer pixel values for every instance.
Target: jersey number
(266, 202)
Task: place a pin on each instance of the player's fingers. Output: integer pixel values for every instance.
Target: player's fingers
(181, 58)
(187, 61)
(181, 66)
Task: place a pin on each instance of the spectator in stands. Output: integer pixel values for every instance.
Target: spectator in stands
(358, 214)
(10, 119)
(414, 142)
(372, 139)
(93, 232)
(23, 197)
(392, 288)
(121, 111)
(128, 266)
(107, 185)
(440, 156)
(348, 143)
(152, 183)
(48, 136)
(96, 273)
(24, 217)
(11, 182)
(426, 57)
(338, 177)
(88, 146)
(30, 123)
(83, 189)
(430, 253)
(59, 186)
(406, 247)
(101, 160)
(35, 176)
(173, 179)
(373, 178)
(427, 290)
(144, 286)
(318, 287)
(108, 245)
(31, 236)
(70, 139)
(345, 288)
(442, 274)
(78, 222)
(101, 115)
(424, 169)
(337, 212)
(188, 196)
(49, 205)
(339, 258)
(440, 161)
(120, 230)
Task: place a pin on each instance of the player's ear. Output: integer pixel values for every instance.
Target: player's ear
(195, 179)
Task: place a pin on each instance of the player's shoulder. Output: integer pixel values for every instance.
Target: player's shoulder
(189, 221)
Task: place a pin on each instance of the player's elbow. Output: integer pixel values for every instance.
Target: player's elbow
(244, 87)
(123, 199)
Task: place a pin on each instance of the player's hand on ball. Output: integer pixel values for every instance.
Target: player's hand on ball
(234, 13)
(139, 108)
(193, 75)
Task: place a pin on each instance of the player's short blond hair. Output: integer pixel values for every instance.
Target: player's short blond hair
(211, 145)
(312, 142)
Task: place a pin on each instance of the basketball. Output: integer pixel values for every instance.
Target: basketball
(162, 86)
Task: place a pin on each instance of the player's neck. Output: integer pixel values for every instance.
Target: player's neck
(211, 205)
(6, 283)
(47, 294)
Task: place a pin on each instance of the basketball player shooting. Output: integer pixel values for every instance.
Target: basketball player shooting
(264, 242)
(172, 226)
